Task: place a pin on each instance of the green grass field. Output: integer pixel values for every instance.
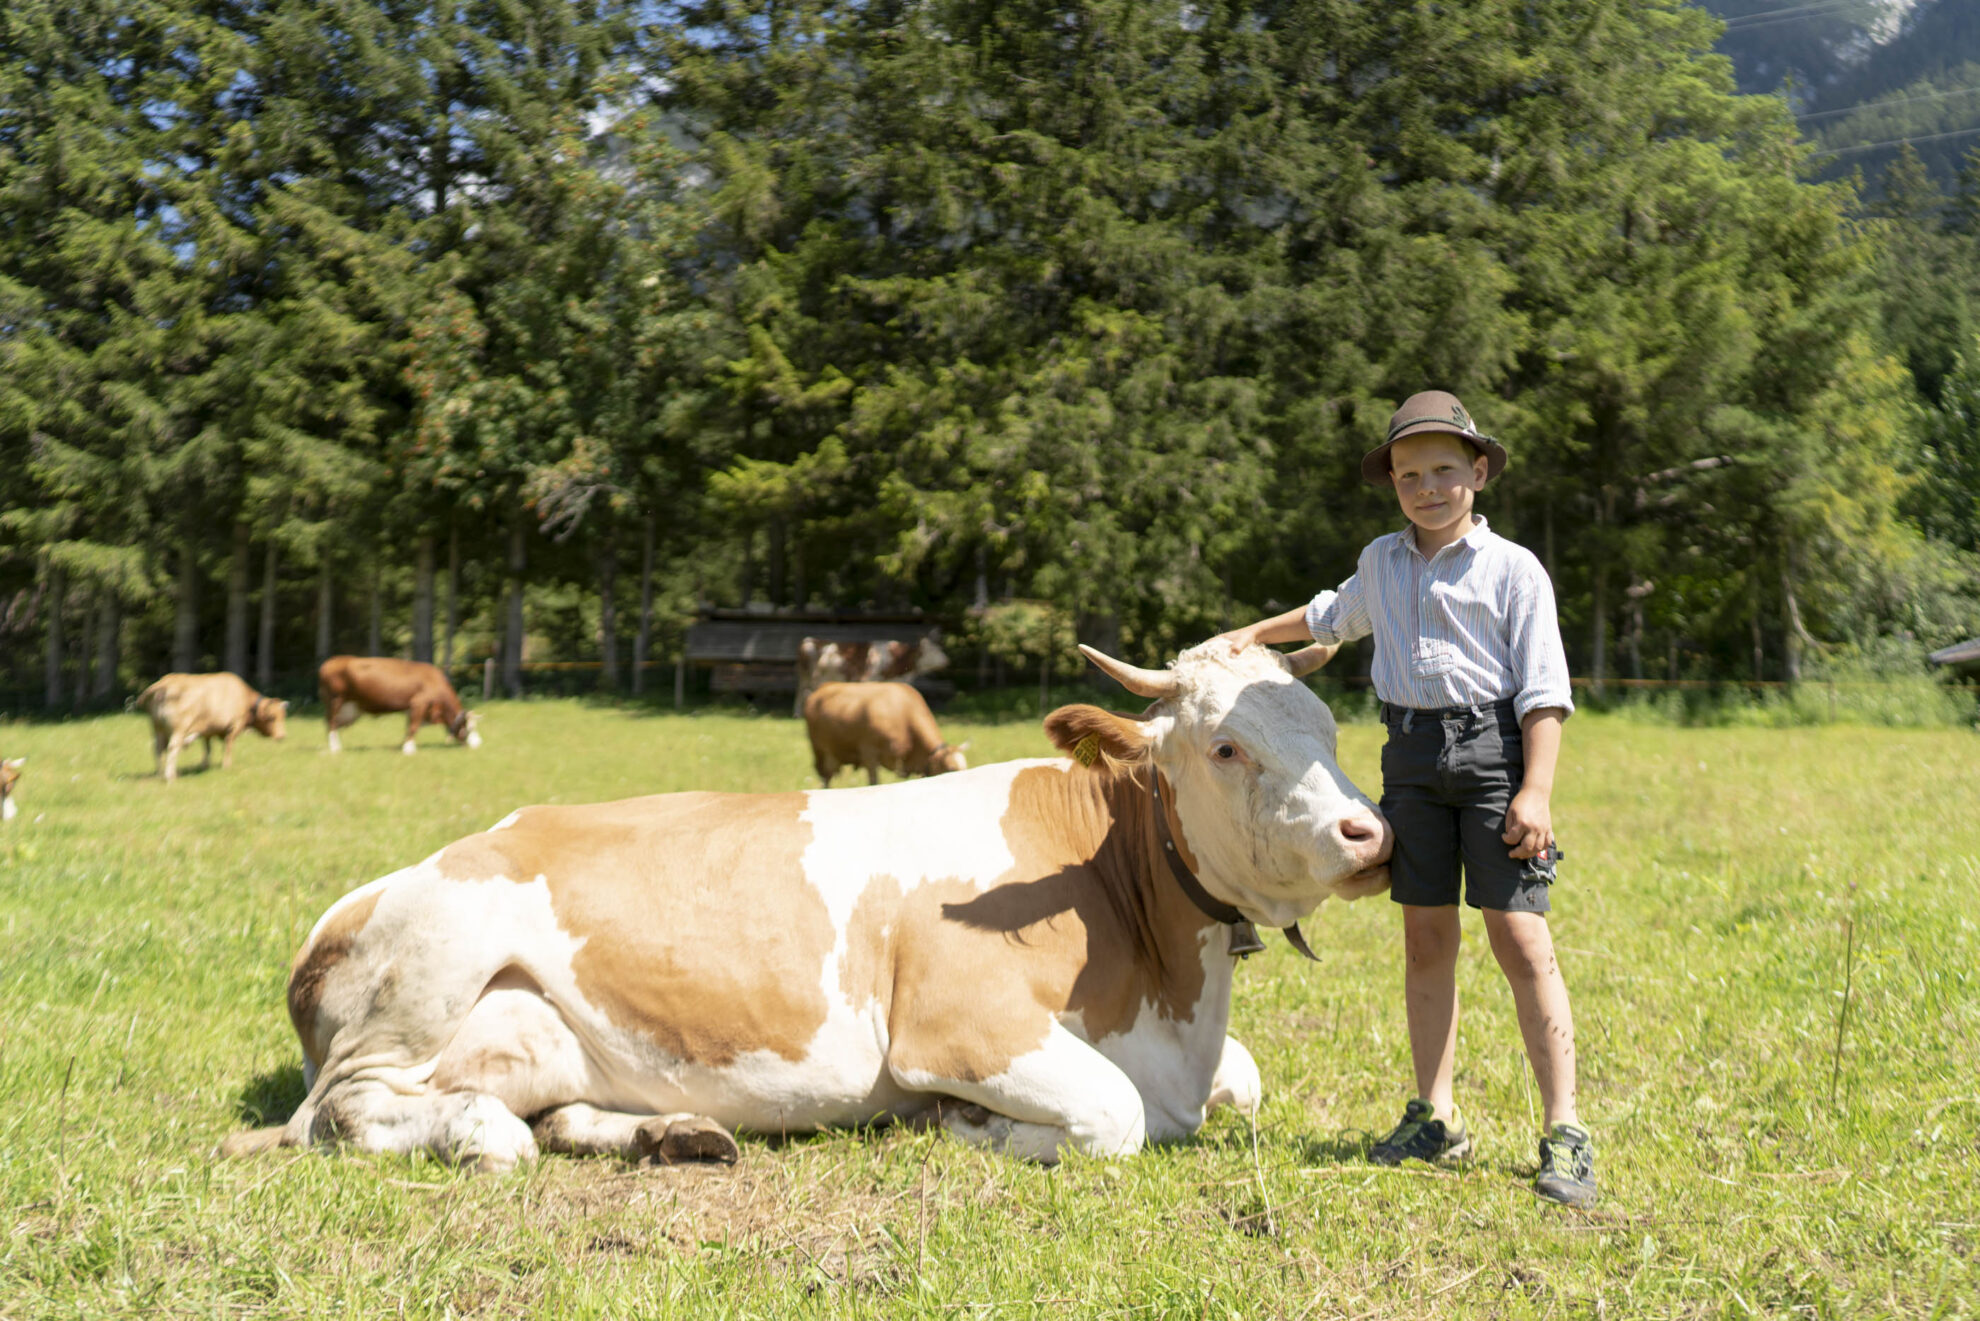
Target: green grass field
(146, 932)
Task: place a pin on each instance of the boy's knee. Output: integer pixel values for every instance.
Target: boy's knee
(1520, 939)
(1431, 936)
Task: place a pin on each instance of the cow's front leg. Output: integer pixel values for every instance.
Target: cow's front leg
(1237, 1082)
(1061, 1094)
(374, 1114)
(206, 751)
(584, 1130)
(410, 746)
(226, 749)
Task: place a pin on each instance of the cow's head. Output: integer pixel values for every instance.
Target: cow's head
(10, 775)
(462, 727)
(948, 757)
(929, 656)
(1248, 751)
(270, 717)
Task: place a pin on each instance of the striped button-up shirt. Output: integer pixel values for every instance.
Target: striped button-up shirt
(1472, 624)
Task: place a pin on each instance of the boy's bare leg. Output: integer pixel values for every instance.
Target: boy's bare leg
(1524, 946)
(1430, 946)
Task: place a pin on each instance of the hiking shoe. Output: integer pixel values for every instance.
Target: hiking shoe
(1421, 1136)
(1567, 1166)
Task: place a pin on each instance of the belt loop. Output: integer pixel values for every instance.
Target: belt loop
(1409, 718)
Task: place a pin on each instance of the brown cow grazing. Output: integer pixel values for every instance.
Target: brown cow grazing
(821, 662)
(184, 707)
(10, 775)
(373, 685)
(875, 725)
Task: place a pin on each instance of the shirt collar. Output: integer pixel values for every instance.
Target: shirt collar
(1472, 540)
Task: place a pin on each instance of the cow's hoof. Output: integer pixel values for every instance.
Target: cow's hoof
(674, 1140)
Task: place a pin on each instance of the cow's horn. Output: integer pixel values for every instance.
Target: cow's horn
(1298, 942)
(1308, 659)
(1152, 684)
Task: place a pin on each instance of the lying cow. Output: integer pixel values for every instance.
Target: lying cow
(876, 725)
(352, 686)
(184, 707)
(1034, 955)
(820, 662)
(10, 776)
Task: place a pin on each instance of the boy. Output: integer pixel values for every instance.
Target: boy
(1474, 687)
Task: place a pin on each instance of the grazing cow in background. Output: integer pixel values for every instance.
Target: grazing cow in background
(184, 707)
(822, 662)
(875, 725)
(373, 685)
(10, 775)
(1032, 955)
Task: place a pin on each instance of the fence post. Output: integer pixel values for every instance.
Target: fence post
(488, 677)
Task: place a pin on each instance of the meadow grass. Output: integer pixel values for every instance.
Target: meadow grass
(1714, 882)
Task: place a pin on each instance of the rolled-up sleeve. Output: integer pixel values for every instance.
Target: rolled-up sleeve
(1337, 617)
(1534, 629)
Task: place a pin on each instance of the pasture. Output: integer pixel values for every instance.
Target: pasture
(1717, 883)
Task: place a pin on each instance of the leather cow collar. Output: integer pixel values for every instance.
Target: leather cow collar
(1244, 936)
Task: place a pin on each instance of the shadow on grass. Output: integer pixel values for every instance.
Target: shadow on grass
(270, 1098)
(1349, 1147)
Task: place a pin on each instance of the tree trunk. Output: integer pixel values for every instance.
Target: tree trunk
(1759, 656)
(1547, 543)
(422, 619)
(264, 647)
(1637, 591)
(374, 637)
(608, 613)
(58, 583)
(238, 578)
(748, 564)
(1796, 633)
(109, 642)
(325, 600)
(1598, 645)
(643, 639)
(185, 623)
(512, 628)
(778, 578)
(453, 594)
(92, 641)
(1672, 668)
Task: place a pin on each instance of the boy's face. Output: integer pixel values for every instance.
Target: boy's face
(1436, 480)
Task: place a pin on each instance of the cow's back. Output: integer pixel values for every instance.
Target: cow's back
(196, 703)
(383, 683)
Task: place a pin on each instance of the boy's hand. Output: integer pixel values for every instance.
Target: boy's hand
(1238, 638)
(1529, 824)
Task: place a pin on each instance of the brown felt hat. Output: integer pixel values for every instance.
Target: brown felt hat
(1432, 410)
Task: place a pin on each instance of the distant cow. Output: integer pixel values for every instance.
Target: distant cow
(821, 662)
(184, 707)
(10, 775)
(875, 725)
(373, 685)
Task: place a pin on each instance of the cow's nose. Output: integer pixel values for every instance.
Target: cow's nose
(1367, 837)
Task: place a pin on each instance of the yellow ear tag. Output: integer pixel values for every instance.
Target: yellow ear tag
(1087, 750)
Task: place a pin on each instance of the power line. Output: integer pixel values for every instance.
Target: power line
(1896, 142)
(1879, 105)
(1792, 9)
(1834, 10)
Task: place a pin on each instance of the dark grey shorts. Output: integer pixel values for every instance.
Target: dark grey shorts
(1448, 777)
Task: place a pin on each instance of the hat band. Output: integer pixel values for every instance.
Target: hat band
(1407, 422)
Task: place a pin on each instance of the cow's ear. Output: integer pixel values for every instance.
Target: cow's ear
(1084, 732)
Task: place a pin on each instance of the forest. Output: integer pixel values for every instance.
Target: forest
(525, 328)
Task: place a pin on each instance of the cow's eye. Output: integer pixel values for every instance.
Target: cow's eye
(1224, 751)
